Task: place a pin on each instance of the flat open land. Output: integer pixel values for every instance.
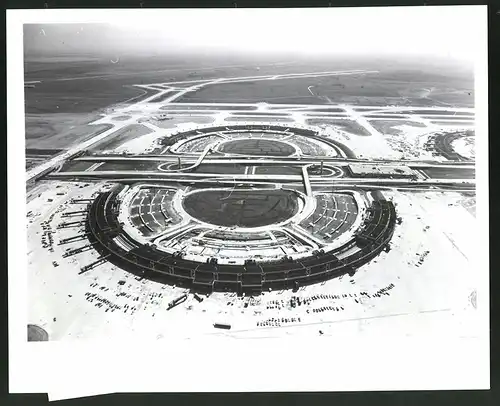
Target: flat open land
(349, 126)
(242, 208)
(125, 166)
(60, 130)
(121, 136)
(73, 90)
(211, 168)
(453, 122)
(259, 119)
(169, 107)
(85, 85)
(172, 122)
(391, 127)
(278, 170)
(257, 147)
(76, 166)
(229, 168)
(390, 87)
(439, 173)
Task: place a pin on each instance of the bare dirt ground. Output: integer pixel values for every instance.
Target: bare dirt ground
(422, 287)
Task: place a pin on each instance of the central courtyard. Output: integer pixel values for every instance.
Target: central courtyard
(242, 207)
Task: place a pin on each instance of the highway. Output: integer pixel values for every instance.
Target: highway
(244, 169)
(191, 158)
(293, 180)
(203, 168)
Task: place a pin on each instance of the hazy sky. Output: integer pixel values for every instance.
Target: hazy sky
(443, 31)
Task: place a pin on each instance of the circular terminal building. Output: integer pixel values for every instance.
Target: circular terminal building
(453, 145)
(228, 225)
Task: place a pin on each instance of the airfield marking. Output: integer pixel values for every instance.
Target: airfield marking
(360, 119)
(36, 171)
(158, 71)
(151, 126)
(248, 79)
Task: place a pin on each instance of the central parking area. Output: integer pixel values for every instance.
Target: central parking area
(241, 208)
(251, 146)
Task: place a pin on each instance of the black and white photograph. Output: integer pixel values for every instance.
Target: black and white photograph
(256, 175)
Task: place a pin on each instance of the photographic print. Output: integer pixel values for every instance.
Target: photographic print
(254, 174)
(253, 190)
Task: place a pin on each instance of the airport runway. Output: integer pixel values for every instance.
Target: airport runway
(169, 92)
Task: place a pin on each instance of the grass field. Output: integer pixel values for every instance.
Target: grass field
(390, 126)
(392, 86)
(74, 89)
(76, 96)
(453, 122)
(278, 170)
(85, 84)
(76, 166)
(121, 118)
(60, 130)
(259, 119)
(436, 112)
(349, 126)
(219, 168)
(187, 107)
(120, 137)
(444, 173)
(172, 122)
(211, 168)
(267, 113)
(257, 147)
(129, 166)
(161, 98)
